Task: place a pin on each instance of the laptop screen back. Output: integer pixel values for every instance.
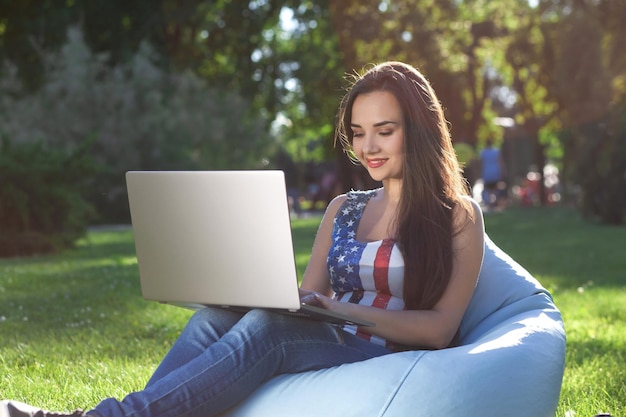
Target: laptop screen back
(213, 237)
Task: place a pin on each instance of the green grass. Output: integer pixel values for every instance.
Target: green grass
(74, 328)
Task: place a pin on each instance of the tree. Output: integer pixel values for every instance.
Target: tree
(290, 78)
(115, 27)
(590, 85)
(527, 69)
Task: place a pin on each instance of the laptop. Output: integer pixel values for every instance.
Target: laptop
(217, 238)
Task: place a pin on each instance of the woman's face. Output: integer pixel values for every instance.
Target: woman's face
(378, 134)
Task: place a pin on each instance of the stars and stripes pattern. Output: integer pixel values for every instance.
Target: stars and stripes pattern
(366, 273)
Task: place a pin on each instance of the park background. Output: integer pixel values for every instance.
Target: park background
(91, 89)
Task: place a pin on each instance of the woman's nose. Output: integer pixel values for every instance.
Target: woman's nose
(370, 145)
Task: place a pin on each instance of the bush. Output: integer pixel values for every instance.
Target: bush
(41, 205)
(141, 117)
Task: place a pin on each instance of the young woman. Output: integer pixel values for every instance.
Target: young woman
(405, 256)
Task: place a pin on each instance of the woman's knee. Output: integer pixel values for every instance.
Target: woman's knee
(209, 314)
(267, 321)
(271, 324)
(262, 317)
(201, 317)
(214, 321)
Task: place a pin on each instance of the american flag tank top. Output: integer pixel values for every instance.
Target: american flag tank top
(365, 273)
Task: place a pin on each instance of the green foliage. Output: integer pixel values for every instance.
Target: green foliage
(140, 116)
(310, 99)
(549, 64)
(28, 28)
(41, 205)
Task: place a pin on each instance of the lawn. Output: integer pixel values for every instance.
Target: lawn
(74, 328)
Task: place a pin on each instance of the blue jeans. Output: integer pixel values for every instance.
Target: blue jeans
(222, 356)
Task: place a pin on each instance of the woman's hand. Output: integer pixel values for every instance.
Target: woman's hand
(316, 299)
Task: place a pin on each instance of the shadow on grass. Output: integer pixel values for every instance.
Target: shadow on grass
(559, 247)
(594, 352)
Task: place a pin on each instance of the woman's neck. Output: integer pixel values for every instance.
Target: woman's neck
(392, 191)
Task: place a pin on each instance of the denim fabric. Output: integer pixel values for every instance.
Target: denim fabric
(222, 356)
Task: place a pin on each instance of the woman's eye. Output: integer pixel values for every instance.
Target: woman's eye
(386, 133)
(357, 134)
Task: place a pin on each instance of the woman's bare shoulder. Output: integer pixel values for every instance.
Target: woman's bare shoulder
(467, 211)
(335, 204)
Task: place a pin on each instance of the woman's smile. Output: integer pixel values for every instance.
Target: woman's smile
(375, 162)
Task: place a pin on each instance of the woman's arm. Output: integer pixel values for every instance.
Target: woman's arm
(433, 328)
(316, 277)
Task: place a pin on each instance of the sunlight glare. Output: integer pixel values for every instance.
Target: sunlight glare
(287, 21)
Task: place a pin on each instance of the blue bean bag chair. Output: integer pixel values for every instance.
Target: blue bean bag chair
(510, 364)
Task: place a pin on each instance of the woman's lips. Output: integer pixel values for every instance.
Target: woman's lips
(375, 163)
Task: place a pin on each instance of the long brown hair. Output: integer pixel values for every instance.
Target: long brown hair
(432, 184)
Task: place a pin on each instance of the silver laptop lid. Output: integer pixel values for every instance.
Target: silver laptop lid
(213, 237)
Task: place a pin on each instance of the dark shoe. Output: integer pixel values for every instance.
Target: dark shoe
(18, 409)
